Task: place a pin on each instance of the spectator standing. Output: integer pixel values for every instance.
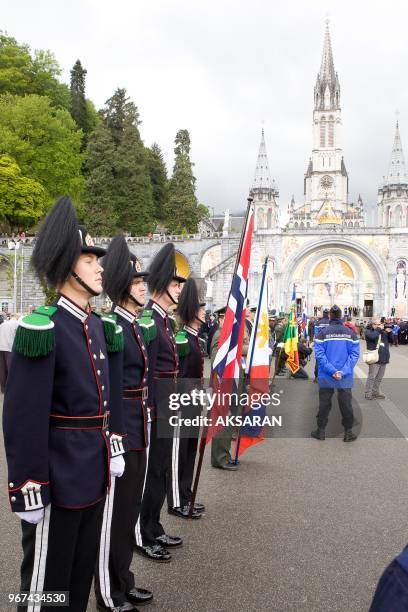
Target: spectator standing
(7, 334)
(376, 334)
(395, 331)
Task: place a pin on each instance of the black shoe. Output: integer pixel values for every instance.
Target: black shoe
(139, 596)
(318, 434)
(126, 607)
(155, 553)
(378, 396)
(184, 512)
(199, 507)
(349, 436)
(227, 466)
(169, 541)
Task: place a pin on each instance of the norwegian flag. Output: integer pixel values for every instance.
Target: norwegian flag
(227, 360)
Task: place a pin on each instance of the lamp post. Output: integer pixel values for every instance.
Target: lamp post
(22, 278)
(14, 246)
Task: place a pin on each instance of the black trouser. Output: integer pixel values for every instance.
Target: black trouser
(113, 578)
(179, 490)
(325, 404)
(5, 360)
(158, 471)
(60, 554)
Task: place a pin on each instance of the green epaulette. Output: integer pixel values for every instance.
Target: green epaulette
(35, 335)
(148, 326)
(183, 347)
(113, 333)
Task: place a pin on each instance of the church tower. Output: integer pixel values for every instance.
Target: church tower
(264, 192)
(326, 178)
(393, 192)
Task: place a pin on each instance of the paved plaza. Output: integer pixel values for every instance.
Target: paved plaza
(302, 526)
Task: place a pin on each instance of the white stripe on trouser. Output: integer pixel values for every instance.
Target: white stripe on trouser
(40, 558)
(138, 533)
(175, 465)
(104, 547)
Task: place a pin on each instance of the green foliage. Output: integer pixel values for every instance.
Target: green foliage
(22, 199)
(182, 211)
(78, 101)
(22, 72)
(50, 293)
(120, 111)
(100, 216)
(158, 178)
(133, 186)
(44, 142)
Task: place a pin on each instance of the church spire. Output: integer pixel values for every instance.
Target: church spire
(396, 172)
(327, 88)
(262, 178)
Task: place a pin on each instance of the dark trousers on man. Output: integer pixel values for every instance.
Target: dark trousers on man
(179, 489)
(325, 405)
(5, 359)
(158, 471)
(60, 554)
(113, 578)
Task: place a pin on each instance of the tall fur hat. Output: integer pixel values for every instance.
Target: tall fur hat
(120, 267)
(162, 270)
(189, 304)
(59, 243)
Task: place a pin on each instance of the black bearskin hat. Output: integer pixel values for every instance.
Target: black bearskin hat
(59, 243)
(162, 270)
(120, 268)
(189, 304)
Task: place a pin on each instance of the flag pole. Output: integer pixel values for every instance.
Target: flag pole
(254, 332)
(203, 439)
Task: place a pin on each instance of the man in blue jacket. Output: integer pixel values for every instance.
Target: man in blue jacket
(337, 350)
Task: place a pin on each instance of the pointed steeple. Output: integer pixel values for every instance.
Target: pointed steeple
(262, 178)
(327, 88)
(397, 173)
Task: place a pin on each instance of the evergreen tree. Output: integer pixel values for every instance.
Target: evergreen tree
(78, 100)
(158, 178)
(99, 214)
(133, 186)
(120, 111)
(182, 212)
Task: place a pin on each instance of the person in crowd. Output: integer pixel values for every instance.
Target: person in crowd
(62, 421)
(391, 594)
(7, 334)
(124, 283)
(337, 350)
(376, 335)
(349, 323)
(323, 322)
(395, 330)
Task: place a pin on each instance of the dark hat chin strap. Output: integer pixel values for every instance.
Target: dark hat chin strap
(171, 297)
(134, 300)
(200, 320)
(84, 285)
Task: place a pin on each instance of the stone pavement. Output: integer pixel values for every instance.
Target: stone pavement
(302, 526)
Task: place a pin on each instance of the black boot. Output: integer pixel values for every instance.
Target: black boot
(319, 434)
(349, 436)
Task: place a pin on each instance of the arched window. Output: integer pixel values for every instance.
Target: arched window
(323, 132)
(331, 134)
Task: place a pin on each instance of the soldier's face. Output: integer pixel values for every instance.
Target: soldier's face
(201, 314)
(174, 289)
(90, 270)
(138, 290)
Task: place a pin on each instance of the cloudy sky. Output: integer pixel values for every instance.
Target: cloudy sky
(224, 68)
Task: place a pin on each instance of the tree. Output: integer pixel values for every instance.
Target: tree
(133, 187)
(100, 214)
(44, 142)
(78, 100)
(120, 111)
(158, 178)
(22, 199)
(182, 212)
(22, 73)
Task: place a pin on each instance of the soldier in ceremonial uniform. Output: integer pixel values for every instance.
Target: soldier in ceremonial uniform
(123, 282)
(165, 286)
(192, 316)
(62, 420)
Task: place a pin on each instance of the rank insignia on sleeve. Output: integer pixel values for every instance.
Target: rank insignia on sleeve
(182, 345)
(148, 326)
(35, 336)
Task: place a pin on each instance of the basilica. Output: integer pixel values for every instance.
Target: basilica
(326, 250)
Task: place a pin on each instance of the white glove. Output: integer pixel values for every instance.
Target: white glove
(32, 516)
(117, 466)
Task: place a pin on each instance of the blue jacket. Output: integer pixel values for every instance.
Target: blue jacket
(337, 349)
(321, 324)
